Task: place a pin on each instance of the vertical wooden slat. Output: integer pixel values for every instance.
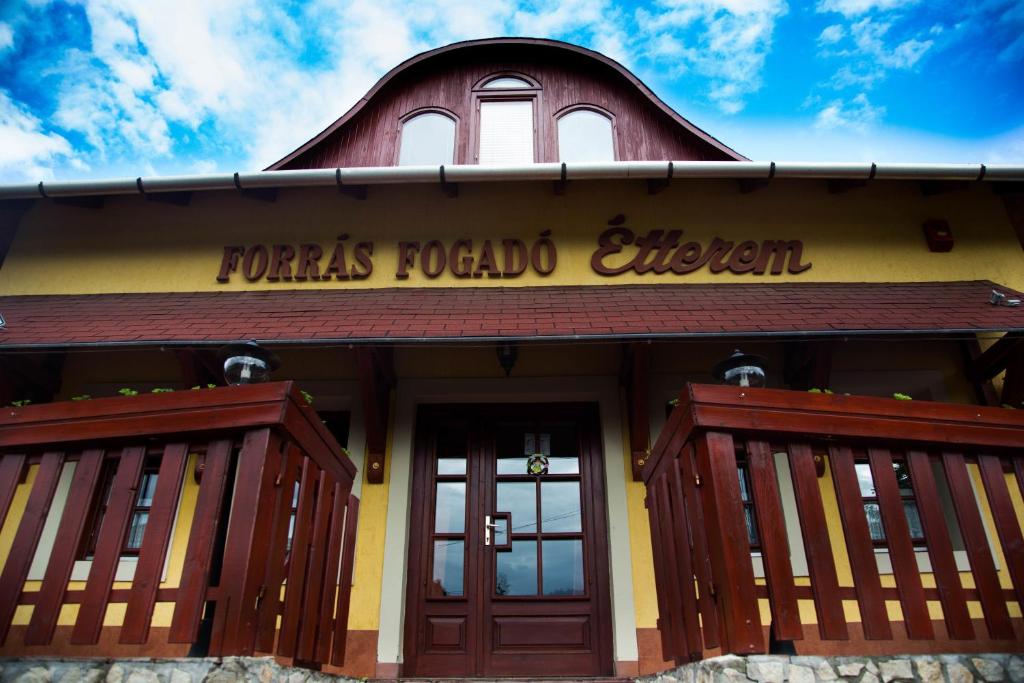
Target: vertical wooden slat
(287, 642)
(661, 580)
(778, 571)
(818, 548)
(65, 548)
(247, 543)
(108, 547)
(11, 468)
(983, 568)
(710, 631)
(1007, 526)
(337, 538)
(345, 583)
(730, 548)
(901, 547)
(312, 598)
(673, 574)
(195, 573)
(155, 539)
(940, 547)
(270, 606)
(26, 539)
(691, 618)
(861, 550)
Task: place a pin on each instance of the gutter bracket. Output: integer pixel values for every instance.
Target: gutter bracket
(355, 191)
(451, 190)
(182, 198)
(559, 186)
(263, 194)
(656, 185)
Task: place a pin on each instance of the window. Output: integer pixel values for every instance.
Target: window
(506, 132)
(140, 511)
(585, 135)
(873, 511)
(743, 472)
(428, 139)
(504, 82)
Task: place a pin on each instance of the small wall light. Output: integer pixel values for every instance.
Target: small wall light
(507, 354)
(247, 363)
(741, 370)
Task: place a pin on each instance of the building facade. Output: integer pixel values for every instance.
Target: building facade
(501, 280)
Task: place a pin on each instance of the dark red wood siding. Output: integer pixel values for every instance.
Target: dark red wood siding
(643, 130)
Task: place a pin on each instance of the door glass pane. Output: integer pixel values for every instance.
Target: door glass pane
(448, 560)
(913, 519)
(450, 515)
(864, 480)
(506, 132)
(147, 487)
(560, 506)
(874, 515)
(519, 498)
(903, 478)
(515, 442)
(500, 531)
(517, 570)
(451, 465)
(563, 567)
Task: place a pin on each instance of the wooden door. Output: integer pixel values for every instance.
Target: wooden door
(482, 603)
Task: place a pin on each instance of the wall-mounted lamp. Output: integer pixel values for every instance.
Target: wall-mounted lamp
(741, 370)
(507, 354)
(247, 363)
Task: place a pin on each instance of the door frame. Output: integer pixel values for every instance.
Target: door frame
(409, 395)
(479, 605)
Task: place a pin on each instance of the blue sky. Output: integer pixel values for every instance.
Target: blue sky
(151, 87)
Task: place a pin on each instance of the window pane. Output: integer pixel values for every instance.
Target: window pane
(585, 136)
(451, 465)
(563, 567)
(427, 139)
(874, 517)
(864, 479)
(448, 560)
(136, 530)
(520, 499)
(744, 493)
(507, 82)
(517, 570)
(748, 513)
(560, 506)
(913, 520)
(450, 508)
(147, 487)
(506, 132)
(903, 478)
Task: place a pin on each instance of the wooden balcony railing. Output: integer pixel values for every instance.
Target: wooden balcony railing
(244, 584)
(858, 469)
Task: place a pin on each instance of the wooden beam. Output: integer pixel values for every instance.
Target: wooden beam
(930, 188)
(36, 377)
(1013, 381)
(1014, 203)
(995, 358)
(173, 198)
(199, 368)
(636, 379)
(843, 185)
(376, 378)
(749, 185)
(984, 392)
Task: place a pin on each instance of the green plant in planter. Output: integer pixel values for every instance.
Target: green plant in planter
(162, 390)
(816, 390)
(200, 386)
(127, 391)
(306, 395)
(82, 397)
(902, 397)
(21, 404)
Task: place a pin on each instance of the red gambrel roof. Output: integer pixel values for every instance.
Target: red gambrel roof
(591, 312)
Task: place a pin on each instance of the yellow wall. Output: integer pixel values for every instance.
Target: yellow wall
(871, 234)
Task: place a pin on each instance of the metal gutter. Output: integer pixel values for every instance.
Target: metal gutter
(947, 333)
(615, 170)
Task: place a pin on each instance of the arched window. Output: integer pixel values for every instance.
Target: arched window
(428, 139)
(506, 119)
(585, 135)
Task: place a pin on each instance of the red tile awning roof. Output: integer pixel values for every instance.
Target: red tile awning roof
(474, 313)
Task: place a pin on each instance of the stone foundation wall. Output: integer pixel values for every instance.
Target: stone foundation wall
(917, 668)
(192, 670)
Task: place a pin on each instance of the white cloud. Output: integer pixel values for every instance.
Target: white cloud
(831, 34)
(727, 41)
(6, 36)
(26, 151)
(853, 8)
(857, 114)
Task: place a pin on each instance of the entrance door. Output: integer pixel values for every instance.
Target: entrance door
(508, 563)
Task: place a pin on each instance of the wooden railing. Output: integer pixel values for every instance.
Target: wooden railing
(240, 575)
(698, 494)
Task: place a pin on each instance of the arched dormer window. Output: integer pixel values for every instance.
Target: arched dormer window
(506, 121)
(427, 139)
(586, 134)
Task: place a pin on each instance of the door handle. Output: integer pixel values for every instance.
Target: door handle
(491, 524)
(489, 528)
